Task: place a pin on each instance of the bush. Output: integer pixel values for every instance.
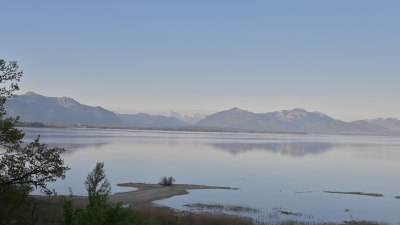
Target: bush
(166, 181)
(98, 211)
(14, 204)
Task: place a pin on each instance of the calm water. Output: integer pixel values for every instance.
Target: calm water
(273, 172)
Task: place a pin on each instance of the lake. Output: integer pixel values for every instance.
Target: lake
(275, 173)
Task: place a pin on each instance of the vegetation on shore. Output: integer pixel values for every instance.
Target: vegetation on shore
(29, 124)
(50, 212)
(98, 211)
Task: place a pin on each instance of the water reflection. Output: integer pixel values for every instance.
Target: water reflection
(71, 148)
(296, 146)
(294, 149)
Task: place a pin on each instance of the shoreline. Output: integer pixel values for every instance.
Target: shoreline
(144, 196)
(197, 129)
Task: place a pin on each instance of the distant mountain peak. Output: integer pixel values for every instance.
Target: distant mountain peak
(236, 109)
(67, 102)
(190, 117)
(288, 115)
(30, 93)
(298, 110)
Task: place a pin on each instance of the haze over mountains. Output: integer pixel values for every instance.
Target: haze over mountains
(32, 107)
(146, 120)
(188, 117)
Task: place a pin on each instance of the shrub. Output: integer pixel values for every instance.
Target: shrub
(99, 211)
(166, 181)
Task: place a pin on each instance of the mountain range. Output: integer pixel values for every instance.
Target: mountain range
(32, 107)
(297, 120)
(146, 120)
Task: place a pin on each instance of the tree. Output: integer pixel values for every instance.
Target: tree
(97, 186)
(9, 76)
(22, 166)
(97, 211)
(34, 165)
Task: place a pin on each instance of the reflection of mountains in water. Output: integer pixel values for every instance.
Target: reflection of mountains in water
(72, 147)
(294, 149)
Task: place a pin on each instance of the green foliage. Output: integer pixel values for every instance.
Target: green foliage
(166, 181)
(33, 164)
(22, 166)
(68, 211)
(10, 75)
(98, 187)
(99, 211)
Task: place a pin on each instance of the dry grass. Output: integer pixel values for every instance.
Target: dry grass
(49, 211)
(168, 216)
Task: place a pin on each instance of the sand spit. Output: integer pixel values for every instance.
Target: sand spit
(147, 193)
(355, 193)
(144, 196)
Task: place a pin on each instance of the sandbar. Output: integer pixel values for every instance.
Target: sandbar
(355, 193)
(147, 193)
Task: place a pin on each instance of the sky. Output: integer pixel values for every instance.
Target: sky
(338, 57)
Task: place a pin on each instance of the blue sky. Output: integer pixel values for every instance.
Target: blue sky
(338, 57)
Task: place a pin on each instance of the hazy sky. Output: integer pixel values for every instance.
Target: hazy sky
(339, 57)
